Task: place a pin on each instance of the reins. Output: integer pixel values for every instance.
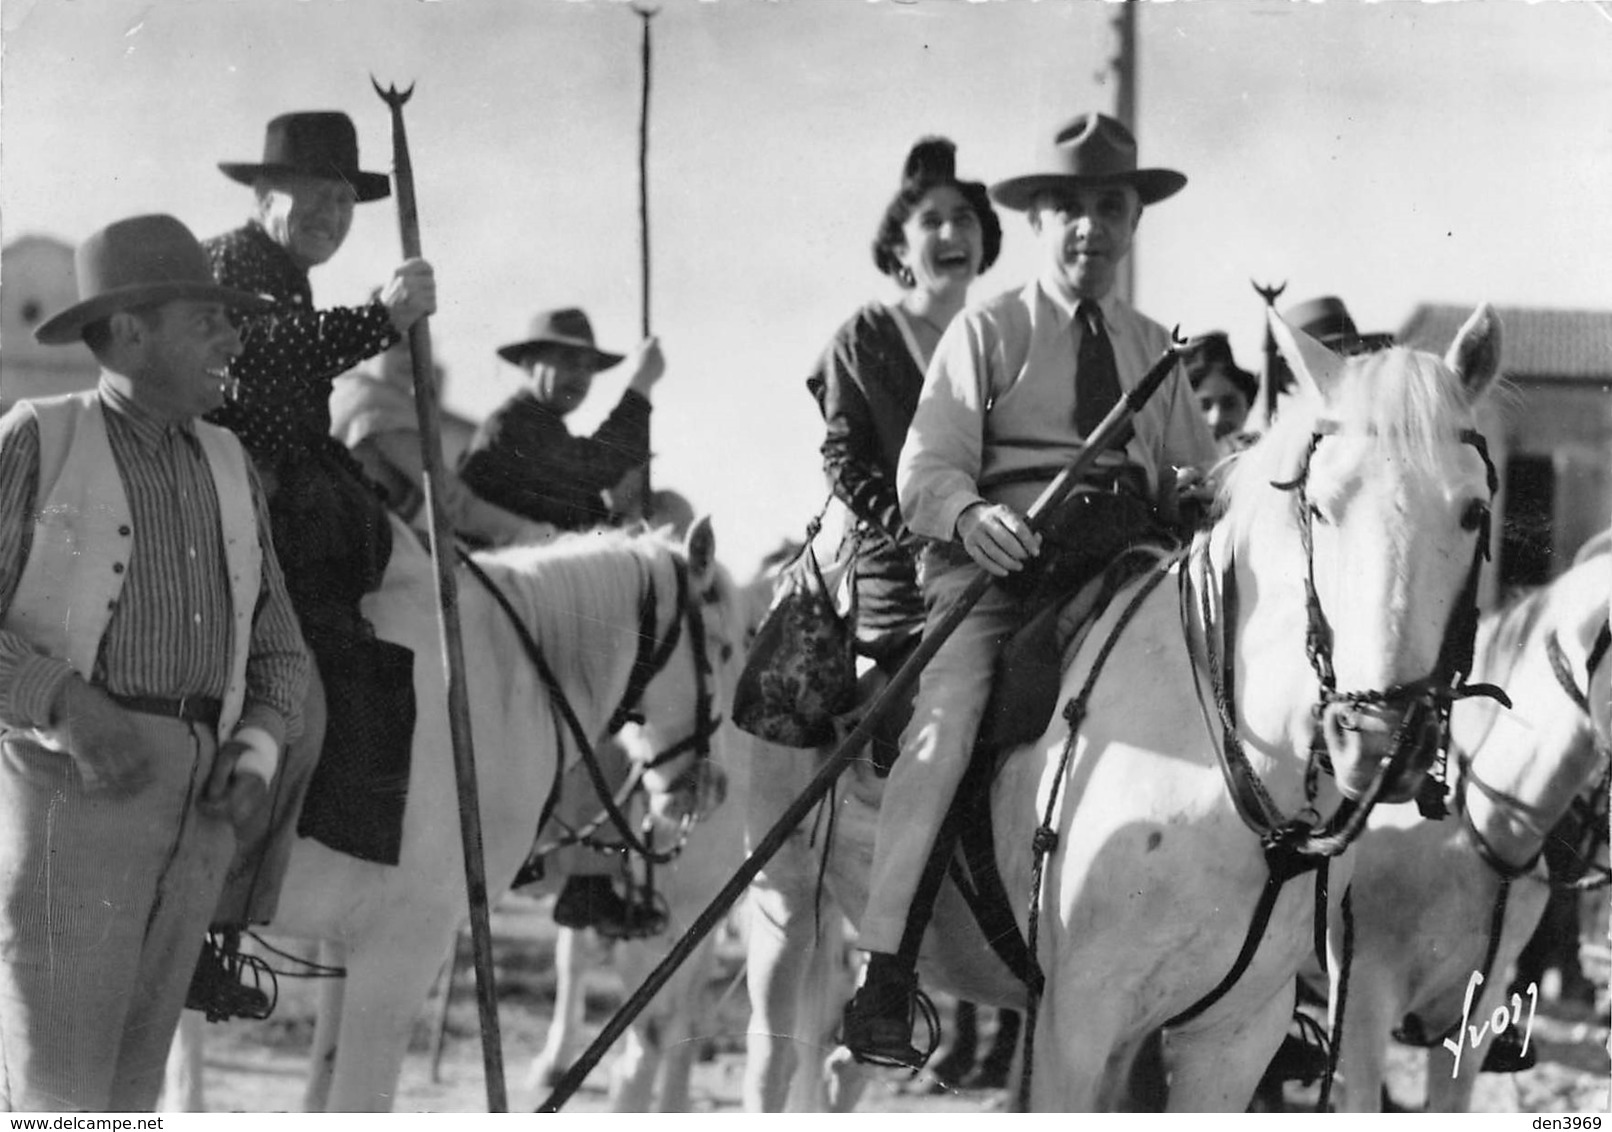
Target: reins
(653, 655)
(1045, 839)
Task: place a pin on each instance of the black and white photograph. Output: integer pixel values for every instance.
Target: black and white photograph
(857, 556)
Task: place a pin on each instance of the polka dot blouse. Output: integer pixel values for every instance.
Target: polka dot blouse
(292, 353)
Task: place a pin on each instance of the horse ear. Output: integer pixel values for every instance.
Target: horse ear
(700, 544)
(1316, 367)
(1475, 353)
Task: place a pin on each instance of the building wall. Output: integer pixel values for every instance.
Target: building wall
(1569, 426)
(37, 281)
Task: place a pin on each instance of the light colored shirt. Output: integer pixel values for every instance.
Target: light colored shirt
(170, 633)
(995, 420)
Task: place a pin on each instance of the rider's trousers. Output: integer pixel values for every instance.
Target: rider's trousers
(935, 748)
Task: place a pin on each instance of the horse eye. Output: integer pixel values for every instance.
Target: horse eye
(1474, 515)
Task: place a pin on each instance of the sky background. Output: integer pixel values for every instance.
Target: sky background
(1393, 153)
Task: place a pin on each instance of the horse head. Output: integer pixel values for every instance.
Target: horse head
(1389, 489)
(682, 682)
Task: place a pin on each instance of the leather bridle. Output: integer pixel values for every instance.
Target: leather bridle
(653, 654)
(1423, 701)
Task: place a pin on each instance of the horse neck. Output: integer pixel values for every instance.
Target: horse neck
(1534, 758)
(582, 610)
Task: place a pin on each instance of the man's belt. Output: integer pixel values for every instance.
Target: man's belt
(190, 709)
(1120, 477)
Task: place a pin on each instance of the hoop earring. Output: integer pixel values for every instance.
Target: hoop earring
(904, 277)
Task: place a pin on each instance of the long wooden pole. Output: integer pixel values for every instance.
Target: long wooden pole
(897, 692)
(644, 14)
(646, 489)
(453, 657)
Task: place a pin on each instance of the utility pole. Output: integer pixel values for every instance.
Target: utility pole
(1123, 65)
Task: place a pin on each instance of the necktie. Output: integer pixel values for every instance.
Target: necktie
(1097, 388)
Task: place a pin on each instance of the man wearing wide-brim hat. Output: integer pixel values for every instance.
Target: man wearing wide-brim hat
(330, 521)
(1016, 386)
(151, 671)
(1327, 320)
(525, 459)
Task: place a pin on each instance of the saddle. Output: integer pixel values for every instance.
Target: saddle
(1098, 541)
(1095, 542)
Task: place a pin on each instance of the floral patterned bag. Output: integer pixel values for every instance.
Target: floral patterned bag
(801, 669)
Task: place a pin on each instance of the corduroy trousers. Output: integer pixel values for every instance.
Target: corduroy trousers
(104, 901)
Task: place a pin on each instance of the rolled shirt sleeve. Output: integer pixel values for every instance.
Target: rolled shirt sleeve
(277, 663)
(867, 387)
(940, 463)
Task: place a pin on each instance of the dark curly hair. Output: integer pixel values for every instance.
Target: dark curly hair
(1211, 353)
(932, 163)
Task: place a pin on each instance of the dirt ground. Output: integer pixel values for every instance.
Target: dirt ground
(259, 1067)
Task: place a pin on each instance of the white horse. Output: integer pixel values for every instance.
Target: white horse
(1354, 521)
(800, 968)
(1426, 892)
(583, 600)
(652, 1070)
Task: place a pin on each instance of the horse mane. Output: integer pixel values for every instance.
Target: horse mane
(568, 589)
(1407, 403)
(1563, 605)
(1506, 635)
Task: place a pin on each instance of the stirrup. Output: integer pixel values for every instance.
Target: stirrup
(227, 984)
(892, 1049)
(1302, 1057)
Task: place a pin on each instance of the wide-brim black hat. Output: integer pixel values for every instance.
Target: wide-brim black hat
(564, 329)
(1328, 321)
(142, 261)
(316, 143)
(1092, 149)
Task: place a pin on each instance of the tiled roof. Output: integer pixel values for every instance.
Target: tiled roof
(1535, 342)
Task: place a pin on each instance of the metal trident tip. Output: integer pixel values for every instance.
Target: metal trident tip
(390, 94)
(1270, 293)
(1177, 342)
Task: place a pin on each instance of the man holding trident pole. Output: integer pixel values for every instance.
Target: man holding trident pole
(1016, 386)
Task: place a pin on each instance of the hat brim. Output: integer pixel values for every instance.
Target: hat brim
(1351, 344)
(517, 352)
(1152, 185)
(367, 186)
(67, 327)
